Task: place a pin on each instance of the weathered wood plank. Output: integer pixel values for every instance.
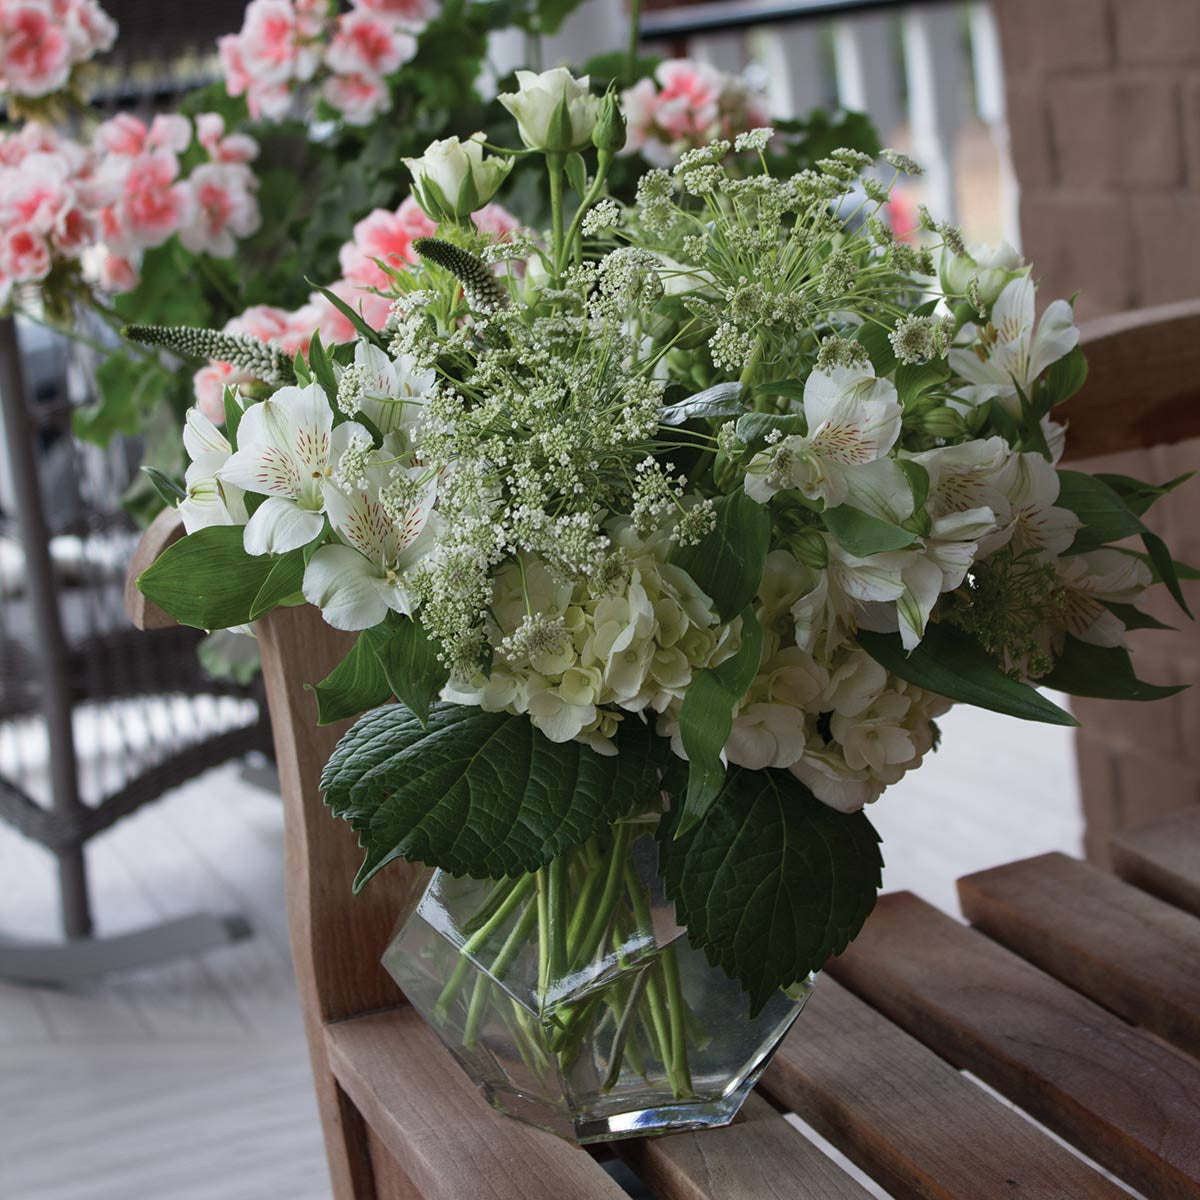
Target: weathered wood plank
(443, 1135)
(1143, 386)
(759, 1157)
(1163, 858)
(1122, 1097)
(908, 1118)
(1128, 951)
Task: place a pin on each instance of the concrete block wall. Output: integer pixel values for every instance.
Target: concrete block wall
(1104, 114)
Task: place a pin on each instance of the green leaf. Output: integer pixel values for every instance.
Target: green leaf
(877, 340)
(322, 369)
(772, 882)
(1139, 496)
(576, 172)
(913, 380)
(300, 367)
(1064, 378)
(233, 415)
(410, 664)
(356, 684)
(954, 665)
(723, 400)
(706, 718)
(918, 481)
(1132, 617)
(863, 534)
(727, 563)
(165, 486)
(1102, 672)
(752, 428)
(284, 580)
(789, 389)
(1108, 518)
(478, 793)
(353, 317)
(207, 580)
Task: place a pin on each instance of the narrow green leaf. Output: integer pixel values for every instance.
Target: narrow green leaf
(1102, 672)
(322, 369)
(727, 564)
(863, 534)
(876, 338)
(1132, 617)
(207, 580)
(772, 882)
(918, 481)
(356, 684)
(577, 173)
(283, 581)
(233, 416)
(300, 367)
(478, 793)
(752, 428)
(410, 664)
(789, 389)
(1140, 496)
(954, 665)
(353, 317)
(913, 380)
(706, 719)
(168, 489)
(723, 400)
(1064, 378)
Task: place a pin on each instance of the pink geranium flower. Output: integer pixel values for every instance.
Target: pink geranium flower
(117, 274)
(367, 45)
(35, 52)
(359, 98)
(273, 49)
(387, 236)
(233, 64)
(24, 255)
(225, 207)
(209, 384)
(37, 194)
(412, 14)
(152, 204)
(236, 148)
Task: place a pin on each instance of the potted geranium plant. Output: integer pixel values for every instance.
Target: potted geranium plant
(672, 531)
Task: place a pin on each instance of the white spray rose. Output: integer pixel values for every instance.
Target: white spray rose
(555, 111)
(453, 179)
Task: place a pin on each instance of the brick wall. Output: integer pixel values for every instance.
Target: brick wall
(1104, 112)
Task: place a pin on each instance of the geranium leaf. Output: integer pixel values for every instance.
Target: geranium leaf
(723, 400)
(727, 563)
(706, 718)
(954, 665)
(207, 580)
(356, 684)
(772, 882)
(1102, 672)
(478, 793)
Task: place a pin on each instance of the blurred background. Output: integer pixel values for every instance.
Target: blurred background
(138, 825)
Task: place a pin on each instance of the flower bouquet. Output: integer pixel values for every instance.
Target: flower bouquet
(672, 530)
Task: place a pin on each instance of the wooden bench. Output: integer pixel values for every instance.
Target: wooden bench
(1075, 995)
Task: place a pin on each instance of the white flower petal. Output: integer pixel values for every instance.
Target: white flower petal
(345, 587)
(280, 525)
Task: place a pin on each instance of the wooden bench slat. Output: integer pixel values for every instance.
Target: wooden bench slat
(1128, 951)
(759, 1157)
(1163, 858)
(908, 1118)
(1122, 1097)
(443, 1134)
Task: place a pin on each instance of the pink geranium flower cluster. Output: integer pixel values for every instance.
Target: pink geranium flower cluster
(105, 204)
(687, 104)
(287, 44)
(382, 235)
(42, 41)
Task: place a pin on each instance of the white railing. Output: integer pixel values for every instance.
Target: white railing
(928, 74)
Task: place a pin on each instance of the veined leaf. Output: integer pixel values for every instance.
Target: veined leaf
(706, 718)
(478, 793)
(1064, 378)
(727, 563)
(772, 882)
(356, 684)
(167, 488)
(1140, 496)
(723, 400)
(322, 369)
(877, 340)
(1102, 672)
(789, 389)
(752, 428)
(207, 580)
(410, 664)
(284, 580)
(913, 380)
(863, 534)
(955, 666)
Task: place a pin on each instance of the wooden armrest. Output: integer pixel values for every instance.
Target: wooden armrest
(1143, 385)
(165, 530)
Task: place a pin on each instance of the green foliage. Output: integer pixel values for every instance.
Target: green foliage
(129, 388)
(952, 664)
(281, 585)
(1064, 378)
(207, 580)
(1103, 672)
(356, 684)
(410, 664)
(772, 882)
(722, 400)
(727, 564)
(706, 719)
(862, 534)
(477, 793)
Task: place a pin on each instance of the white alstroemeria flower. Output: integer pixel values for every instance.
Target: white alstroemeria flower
(853, 419)
(390, 392)
(287, 448)
(536, 106)
(1007, 353)
(452, 179)
(354, 585)
(1038, 525)
(1085, 580)
(974, 474)
(209, 501)
(993, 265)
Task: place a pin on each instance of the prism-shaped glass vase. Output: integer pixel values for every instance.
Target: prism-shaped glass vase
(575, 1001)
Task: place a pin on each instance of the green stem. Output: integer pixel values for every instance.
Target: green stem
(557, 917)
(603, 163)
(635, 33)
(681, 1076)
(554, 166)
(477, 940)
(608, 898)
(624, 1024)
(543, 919)
(509, 951)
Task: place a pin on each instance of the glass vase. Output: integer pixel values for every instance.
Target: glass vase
(575, 1001)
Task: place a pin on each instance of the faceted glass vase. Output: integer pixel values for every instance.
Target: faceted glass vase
(575, 1001)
